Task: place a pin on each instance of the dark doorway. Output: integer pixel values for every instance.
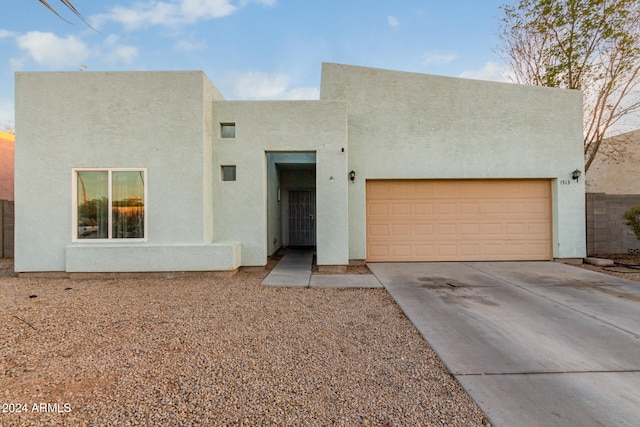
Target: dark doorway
(302, 217)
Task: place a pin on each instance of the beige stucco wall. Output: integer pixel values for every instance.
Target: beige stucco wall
(616, 168)
(240, 207)
(408, 126)
(381, 124)
(152, 120)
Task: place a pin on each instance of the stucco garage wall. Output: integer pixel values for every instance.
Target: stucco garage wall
(150, 120)
(240, 207)
(410, 126)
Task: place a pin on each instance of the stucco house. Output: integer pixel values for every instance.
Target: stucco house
(157, 172)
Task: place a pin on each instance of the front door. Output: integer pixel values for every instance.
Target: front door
(302, 217)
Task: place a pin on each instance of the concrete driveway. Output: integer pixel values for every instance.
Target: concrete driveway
(533, 343)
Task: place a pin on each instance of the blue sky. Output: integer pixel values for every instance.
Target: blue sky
(251, 49)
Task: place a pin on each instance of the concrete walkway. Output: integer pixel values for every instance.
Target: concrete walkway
(294, 270)
(534, 344)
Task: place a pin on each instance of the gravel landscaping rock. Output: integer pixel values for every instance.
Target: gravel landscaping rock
(216, 351)
(625, 266)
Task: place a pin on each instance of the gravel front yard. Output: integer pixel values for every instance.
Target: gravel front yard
(215, 351)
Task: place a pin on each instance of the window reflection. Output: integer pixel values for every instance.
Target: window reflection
(126, 203)
(93, 202)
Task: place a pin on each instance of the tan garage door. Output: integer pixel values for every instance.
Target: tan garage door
(458, 220)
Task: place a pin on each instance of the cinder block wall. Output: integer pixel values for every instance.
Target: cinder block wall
(6, 228)
(607, 232)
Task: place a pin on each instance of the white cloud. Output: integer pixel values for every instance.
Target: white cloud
(393, 21)
(189, 46)
(243, 3)
(53, 51)
(16, 64)
(263, 86)
(122, 54)
(7, 34)
(436, 58)
(302, 93)
(194, 10)
(491, 71)
(171, 12)
(117, 52)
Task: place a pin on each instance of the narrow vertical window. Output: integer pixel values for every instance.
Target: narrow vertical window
(110, 204)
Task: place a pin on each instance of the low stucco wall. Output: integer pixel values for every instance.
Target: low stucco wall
(134, 258)
(415, 126)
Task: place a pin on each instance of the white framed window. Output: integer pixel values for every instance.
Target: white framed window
(109, 204)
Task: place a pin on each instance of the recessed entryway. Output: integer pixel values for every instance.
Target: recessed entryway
(291, 204)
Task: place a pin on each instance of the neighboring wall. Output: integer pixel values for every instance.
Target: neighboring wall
(412, 126)
(613, 186)
(6, 229)
(607, 232)
(615, 168)
(7, 141)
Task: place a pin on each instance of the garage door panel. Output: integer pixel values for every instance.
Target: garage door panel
(491, 229)
(421, 209)
(424, 230)
(469, 230)
(475, 220)
(538, 230)
(378, 209)
(540, 249)
(424, 250)
(539, 207)
(517, 230)
(444, 249)
(466, 250)
(468, 209)
(401, 209)
(378, 251)
(491, 208)
(493, 249)
(378, 230)
(401, 251)
(446, 230)
(400, 230)
(446, 208)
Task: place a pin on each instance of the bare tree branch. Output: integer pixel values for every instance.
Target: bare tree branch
(590, 45)
(69, 6)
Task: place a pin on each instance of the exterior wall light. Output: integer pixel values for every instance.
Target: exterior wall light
(576, 174)
(352, 176)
